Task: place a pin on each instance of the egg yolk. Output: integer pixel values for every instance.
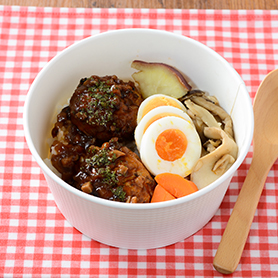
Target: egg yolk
(157, 102)
(171, 144)
(159, 116)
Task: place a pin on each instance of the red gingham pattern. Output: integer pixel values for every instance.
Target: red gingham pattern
(35, 239)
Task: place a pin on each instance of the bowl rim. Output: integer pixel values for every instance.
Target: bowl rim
(138, 206)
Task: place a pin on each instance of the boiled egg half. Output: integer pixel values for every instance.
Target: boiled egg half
(154, 115)
(170, 144)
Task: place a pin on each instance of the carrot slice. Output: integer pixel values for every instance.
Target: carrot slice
(176, 184)
(160, 195)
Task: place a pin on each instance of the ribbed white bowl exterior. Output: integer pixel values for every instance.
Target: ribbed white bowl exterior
(137, 228)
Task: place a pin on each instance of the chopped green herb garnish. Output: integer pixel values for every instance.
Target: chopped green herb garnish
(103, 157)
(109, 176)
(100, 87)
(100, 107)
(119, 192)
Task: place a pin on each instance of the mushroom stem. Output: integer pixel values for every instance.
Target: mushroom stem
(211, 166)
(217, 110)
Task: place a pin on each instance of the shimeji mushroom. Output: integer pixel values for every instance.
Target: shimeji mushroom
(218, 111)
(215, 128)
(211, 166)
(201, 118)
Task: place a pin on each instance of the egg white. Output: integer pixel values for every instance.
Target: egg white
(146, 101)
(139, 130)
(182, 166)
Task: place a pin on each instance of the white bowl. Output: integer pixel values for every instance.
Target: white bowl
(135, 226)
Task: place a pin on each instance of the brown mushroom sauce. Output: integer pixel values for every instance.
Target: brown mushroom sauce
(90, 137)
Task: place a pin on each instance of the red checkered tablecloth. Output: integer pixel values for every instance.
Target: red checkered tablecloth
(35, 239)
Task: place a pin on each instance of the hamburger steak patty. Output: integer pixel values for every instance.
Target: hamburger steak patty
(115, 173)
(105, 107)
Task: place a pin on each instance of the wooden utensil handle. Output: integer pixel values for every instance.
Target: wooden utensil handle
(234, 238)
